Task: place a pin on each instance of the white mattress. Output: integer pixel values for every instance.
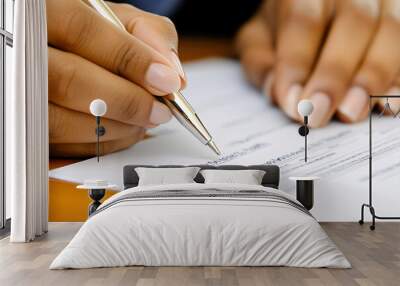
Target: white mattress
(200, 231)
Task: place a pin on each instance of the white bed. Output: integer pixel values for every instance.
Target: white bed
(225, 225)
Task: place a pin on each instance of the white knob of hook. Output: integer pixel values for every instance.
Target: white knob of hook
(98, 107)
(305, 107)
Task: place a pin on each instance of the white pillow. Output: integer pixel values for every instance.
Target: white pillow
(165, 176)
(247, 177)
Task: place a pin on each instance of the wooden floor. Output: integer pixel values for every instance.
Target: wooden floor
(375, 257)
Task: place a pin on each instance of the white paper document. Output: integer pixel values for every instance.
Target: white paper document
(249, 130)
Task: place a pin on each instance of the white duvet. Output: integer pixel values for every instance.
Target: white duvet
(200, 231)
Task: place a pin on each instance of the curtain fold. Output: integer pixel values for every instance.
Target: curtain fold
(27, 124)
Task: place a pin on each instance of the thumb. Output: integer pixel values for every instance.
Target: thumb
(156, 31)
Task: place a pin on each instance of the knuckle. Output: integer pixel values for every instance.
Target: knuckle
(252, 34)
(168, 28)
(167, 22)
(369, 8)
(245, 33)
(240, 39)
(375, 75)
(57, 126)
(331, 78)
(254, 71)
(61, 84)
(128, 59)
(163, 25)
(129, 110)
(308, 11)
(136, 109)
(391, 8)
(335, 72)
(126, 7)
(76, 27)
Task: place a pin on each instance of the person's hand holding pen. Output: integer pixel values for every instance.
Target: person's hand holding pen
(90, 58)
(334, 52)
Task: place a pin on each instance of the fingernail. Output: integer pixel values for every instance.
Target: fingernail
(163, 78)
(292, 99)
(355, 101)
(322, 105)
(159, 113)
(177, 63)
(393, 91)
(394, 102)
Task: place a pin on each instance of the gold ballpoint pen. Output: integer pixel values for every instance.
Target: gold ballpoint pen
(176, 102)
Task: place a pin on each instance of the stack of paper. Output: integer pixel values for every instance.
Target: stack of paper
(249, 130)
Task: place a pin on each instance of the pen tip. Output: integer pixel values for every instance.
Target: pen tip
(214, 147)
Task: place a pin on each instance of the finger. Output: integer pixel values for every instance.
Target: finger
(393, 102)
(379, 69)
(254, 46)
(396, 81)
(68, 126)
(157, 31)
(74, 82)
(76, 28)
(300, 32)
(85, 150)
(341, 56)
(393, 90)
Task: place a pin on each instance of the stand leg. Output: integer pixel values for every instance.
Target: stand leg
(96, 195)
(361, 221)
(372, 210)
(374, 216)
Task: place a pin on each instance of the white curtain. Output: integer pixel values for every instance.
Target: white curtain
(26, 124)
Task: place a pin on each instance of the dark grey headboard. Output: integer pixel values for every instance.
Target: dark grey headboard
(271, 177)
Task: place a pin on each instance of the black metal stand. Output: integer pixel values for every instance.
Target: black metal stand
(370, 204)
(303, 131)
(100, 131)
(96, 195)
(305, 193)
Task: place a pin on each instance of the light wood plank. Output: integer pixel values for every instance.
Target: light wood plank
(375, 257)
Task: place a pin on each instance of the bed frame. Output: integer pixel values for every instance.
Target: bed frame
(270, 179)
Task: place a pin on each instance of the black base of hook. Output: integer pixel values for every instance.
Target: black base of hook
(100, 131)
(304, 130)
